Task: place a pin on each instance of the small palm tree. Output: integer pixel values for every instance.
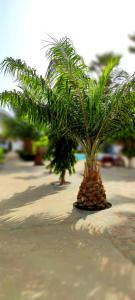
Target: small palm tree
(74, 104)
(61, 155)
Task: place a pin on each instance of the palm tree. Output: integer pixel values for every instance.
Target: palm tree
(32, 90)
(76, 105)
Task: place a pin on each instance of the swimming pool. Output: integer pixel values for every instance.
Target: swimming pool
(80, 156)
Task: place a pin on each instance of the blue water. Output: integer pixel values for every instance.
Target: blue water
(80, 156)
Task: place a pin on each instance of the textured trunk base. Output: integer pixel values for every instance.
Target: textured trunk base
(91, 195)
(90, 207)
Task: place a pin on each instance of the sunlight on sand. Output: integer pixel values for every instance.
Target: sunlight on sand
(59, 208)
(109, 295)
(46, 251)
(99, 222)
(36, 200)
(52, 207)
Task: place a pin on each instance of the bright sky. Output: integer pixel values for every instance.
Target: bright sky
(94, 26)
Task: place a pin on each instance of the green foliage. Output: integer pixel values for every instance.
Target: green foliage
(24, 155)
(102, 60)
(2, 156)
(129, 149)
(32, 88)
(18, 128)
(71, 102)
(127, 138)
(61, 154)
(41, 143)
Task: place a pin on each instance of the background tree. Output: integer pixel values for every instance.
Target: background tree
(2, 156)
(89, 111)
(127, 139)
(39, 149)
(102, 61)
(28, 102)
(15, 127)
(61, 155)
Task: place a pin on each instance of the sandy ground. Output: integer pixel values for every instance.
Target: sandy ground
(49, 250)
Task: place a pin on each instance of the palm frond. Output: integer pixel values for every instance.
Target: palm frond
(21, 72)
(22, 102)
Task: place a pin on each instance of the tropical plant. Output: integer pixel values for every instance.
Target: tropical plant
(39, 149)
(126, 138)
(77, 105)
(61, 155)
(15, 127)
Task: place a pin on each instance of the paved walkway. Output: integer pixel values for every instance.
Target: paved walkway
(50, 251)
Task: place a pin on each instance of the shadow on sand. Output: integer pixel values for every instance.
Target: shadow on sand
(54, 249)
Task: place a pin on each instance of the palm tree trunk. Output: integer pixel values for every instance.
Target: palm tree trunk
(62, 178)
(91, 195)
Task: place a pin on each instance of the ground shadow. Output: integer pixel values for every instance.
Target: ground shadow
(45, 173)
(63, 214)
(31, 194)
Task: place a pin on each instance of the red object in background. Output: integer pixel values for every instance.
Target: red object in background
(39, 157)
(119, 161)
(109, 160)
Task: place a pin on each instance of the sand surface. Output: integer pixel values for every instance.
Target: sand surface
(48, 250)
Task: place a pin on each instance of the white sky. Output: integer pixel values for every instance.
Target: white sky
(94, 26)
